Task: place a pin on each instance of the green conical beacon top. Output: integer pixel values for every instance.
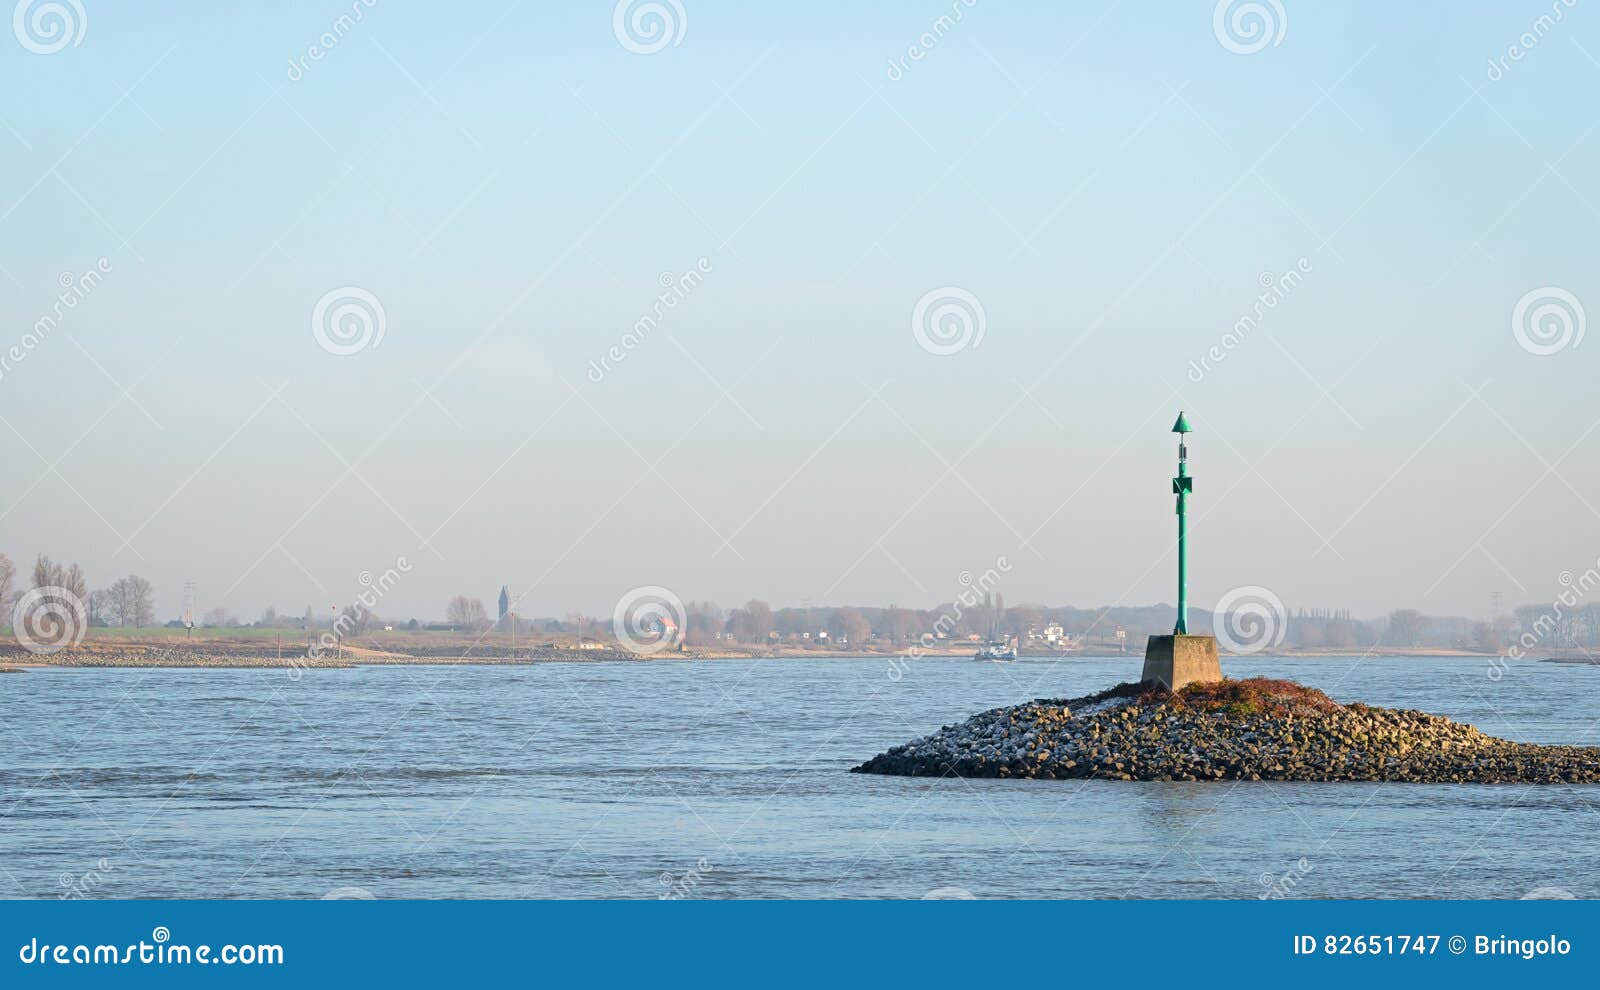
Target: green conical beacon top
(1182, 425)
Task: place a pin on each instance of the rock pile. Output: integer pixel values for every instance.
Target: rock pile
(1255, 729)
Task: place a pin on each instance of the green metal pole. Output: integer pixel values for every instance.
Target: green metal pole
(1182, 485)
(1183, 553)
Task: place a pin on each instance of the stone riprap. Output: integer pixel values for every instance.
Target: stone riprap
(296, 655)
(1253, 729)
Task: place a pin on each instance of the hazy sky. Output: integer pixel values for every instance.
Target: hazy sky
(1110, 181)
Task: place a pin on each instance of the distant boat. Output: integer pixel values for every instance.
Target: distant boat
(997, 650)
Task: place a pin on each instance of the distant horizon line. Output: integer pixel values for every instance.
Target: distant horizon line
(1299, 612)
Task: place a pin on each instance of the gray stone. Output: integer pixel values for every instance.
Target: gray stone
(1177, 660)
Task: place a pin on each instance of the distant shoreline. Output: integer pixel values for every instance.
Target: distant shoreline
(246, 656)
(252, 647)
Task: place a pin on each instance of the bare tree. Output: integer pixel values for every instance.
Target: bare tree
(467, 613)
(142, 601)
(130, 602)
(8, 580)
(102, 608)
(46, 572)
(760, 614)
(354, 620)
(1405, 627)
(218, 616)
(704, 620)
(119, 603)
(850, 625)
(49, 574)
(752, 623)
(902, 624)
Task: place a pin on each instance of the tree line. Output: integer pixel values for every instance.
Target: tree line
(757, 623)
(129, 601)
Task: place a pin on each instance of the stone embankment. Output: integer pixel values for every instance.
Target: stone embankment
(1253, 729)
(222, 655)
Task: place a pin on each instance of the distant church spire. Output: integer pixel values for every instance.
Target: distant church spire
(505, 600)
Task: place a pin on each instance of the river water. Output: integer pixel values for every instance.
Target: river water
(728, 779)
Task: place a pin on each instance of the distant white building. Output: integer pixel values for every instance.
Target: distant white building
(1051, 635)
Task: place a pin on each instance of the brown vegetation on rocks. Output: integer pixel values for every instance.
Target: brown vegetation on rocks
(1253, 696)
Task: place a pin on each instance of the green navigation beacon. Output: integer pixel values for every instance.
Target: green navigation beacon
(1182, 658)
(1182, 485)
